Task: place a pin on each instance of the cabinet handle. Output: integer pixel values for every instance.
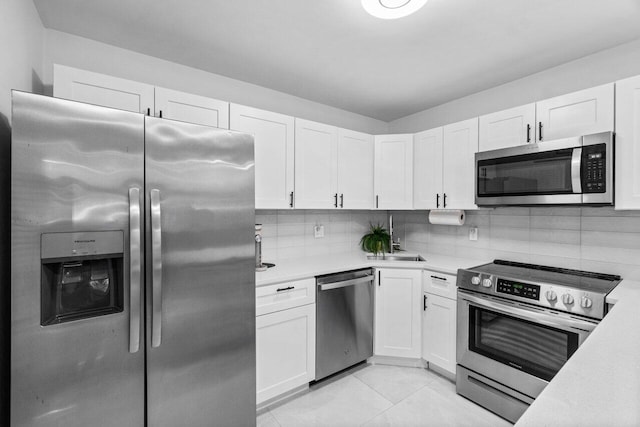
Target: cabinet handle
(444, 200)
(437, 200)
(439, 278)
(379, 280)
(376, 201)
(424, 303)
(539, 131)
(148, 111)
(160, 114)
(335, 201)
(285, 289)
(528, 132)
(342, 200)
(291, 199)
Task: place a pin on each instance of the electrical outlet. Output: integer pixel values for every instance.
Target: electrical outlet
(473, 233)
(318, 231)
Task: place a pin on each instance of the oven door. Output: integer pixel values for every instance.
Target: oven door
(519, 346)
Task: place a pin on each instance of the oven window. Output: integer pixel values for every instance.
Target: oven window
(524, 175)
(533, 348)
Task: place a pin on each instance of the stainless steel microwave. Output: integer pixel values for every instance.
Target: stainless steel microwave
(571, 171)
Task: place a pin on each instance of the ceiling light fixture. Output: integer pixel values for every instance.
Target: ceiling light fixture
(392, 9)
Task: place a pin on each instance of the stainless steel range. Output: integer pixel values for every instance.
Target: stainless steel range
(517, 325)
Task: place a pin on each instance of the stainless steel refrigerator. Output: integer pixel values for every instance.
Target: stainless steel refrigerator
(133, 287)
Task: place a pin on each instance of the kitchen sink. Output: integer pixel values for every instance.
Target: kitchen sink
(396, 257)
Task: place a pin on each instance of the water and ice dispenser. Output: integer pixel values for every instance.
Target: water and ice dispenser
(82, 275)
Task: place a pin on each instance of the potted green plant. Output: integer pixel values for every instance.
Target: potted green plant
(376, 240)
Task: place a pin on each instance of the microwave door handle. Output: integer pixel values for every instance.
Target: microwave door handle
(156, 274)
(135, 270)
(576, 164)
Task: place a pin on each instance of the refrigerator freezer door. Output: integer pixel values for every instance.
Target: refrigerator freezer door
(202, 371)
(73, 165)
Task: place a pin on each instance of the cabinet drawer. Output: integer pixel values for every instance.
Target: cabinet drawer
(282, 296)
(438, 283)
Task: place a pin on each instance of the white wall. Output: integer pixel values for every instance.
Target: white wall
(21, 34)
(79, 52)
(593, 70)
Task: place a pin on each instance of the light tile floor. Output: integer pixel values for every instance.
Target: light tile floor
(380, 395)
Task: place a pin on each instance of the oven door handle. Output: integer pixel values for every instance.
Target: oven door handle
(556, 321)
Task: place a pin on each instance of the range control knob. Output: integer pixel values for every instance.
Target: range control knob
(550, 295)
(486, 283)
(475, 280)
(567, 299)
(586, 302)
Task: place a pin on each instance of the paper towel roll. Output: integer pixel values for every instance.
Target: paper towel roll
(446, 217)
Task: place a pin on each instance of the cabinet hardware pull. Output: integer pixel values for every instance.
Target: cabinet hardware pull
(160, 113)
(379, 280)
(342, 200)
(376, 202)
(285, 289)
(437, 200)
(444, 200)
(148, 111)
(335, 202)
(291, 199)
(539, 131)
(528, 132)
(439, 278)
(424, 303)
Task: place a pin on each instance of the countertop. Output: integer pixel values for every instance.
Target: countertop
(600, 384)
(300, 268)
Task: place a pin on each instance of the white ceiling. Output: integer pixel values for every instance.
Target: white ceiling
(332, 52)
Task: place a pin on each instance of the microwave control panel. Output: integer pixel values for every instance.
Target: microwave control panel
(524, 290)
(594, 168)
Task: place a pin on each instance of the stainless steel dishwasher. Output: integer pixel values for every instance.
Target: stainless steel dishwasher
(344, 320)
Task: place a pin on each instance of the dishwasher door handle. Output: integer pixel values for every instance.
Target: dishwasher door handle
(345, 283)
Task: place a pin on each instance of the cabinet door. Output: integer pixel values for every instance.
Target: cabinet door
(459, 147)
(439, 332)
(627, 148)
(99, 89)
(578, 113)
(187, 107)
(394, 171)
(355, 169)
(273, 135)
(285, 351)
(316, 166)
(427, 169)
(397, 314)
(508, 128)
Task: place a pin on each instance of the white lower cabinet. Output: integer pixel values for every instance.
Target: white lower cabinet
(397, 313)
(285, 339)
(439, 321)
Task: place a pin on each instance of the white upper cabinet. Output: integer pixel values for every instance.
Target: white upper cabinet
(187, 107)
(114, 92)
(99, 89)
(316, 146)
(460, 143)
(627, 179)
(507, 128)
(578, 113)
(355, 169)
(274, 153)
(393, 184)
(427, 169)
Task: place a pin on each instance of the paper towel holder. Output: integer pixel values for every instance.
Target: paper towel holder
(447, 217)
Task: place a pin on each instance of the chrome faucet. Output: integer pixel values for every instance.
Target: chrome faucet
(392, 246)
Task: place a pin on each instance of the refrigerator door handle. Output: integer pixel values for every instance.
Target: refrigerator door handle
(135, 270)
(156, 274)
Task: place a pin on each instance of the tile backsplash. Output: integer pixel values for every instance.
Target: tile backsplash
(587, 238)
